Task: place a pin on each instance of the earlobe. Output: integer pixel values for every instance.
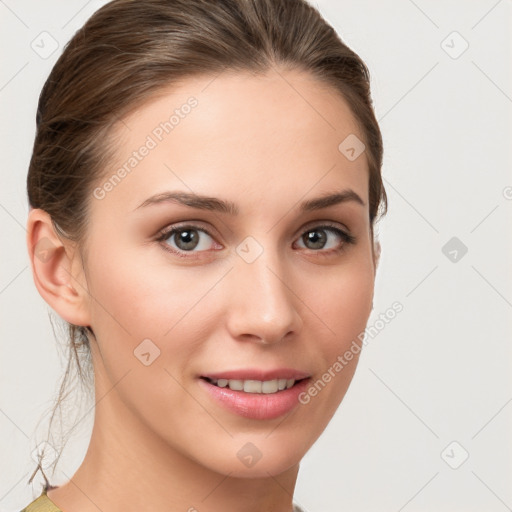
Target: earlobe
(57, 269)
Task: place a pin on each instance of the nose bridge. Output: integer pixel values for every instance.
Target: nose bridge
(262, 305)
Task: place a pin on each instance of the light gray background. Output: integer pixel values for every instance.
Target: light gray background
(440, 371)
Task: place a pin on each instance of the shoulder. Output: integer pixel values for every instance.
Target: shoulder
(41, 504)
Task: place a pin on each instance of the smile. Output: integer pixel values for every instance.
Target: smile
(254, 386)
(256, 394)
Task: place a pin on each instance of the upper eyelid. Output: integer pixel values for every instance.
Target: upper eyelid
(175, 227)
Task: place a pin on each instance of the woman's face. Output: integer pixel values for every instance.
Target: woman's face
(262, 282)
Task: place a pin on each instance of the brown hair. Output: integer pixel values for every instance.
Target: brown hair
(128, 50)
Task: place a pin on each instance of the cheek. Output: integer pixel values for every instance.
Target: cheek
(135, 296)
(139, 307)
(351, 304)
(344, 303)
(343, 310)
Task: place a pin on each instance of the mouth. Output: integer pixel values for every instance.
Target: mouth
(256, 394)
(265, 387)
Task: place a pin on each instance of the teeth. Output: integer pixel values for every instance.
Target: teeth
(269, 386)
(236, 385)
(252, 386)
(255, 386)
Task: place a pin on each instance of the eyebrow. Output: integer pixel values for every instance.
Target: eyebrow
(215, 204)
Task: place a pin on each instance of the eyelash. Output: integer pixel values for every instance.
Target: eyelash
(168, 233)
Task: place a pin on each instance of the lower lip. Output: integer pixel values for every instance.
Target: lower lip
(256, 406)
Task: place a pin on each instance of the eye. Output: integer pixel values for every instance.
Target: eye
(193, 239)
(317, 238)
(186, 238)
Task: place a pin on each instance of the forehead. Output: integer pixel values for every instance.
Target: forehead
(238, 132)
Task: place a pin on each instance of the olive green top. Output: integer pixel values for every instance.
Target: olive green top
(42, 504)
(45, 504)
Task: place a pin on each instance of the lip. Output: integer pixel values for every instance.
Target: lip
(258, 374)
(256, 406)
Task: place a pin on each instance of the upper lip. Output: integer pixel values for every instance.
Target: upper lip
(258, 374)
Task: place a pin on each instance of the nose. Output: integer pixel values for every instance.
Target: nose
(262, 305)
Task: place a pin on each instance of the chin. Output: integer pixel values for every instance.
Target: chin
(257, 456)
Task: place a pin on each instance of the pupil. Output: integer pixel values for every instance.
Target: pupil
(187, 239)
(317, 237)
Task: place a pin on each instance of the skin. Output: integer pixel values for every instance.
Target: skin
(159, 442)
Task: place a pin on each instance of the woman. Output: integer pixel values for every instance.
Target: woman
(204, 186)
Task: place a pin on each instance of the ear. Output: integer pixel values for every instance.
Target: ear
(376, 254)
(57, 269)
